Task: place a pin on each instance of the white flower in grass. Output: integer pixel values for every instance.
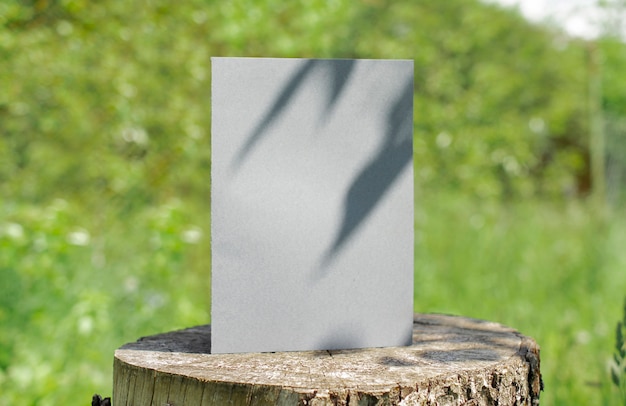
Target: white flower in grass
(443, 140)
(131, 284)
(85, 325)
(137, 135)
(79, 237)
(14, 231)
(192, 235)
(583, 337)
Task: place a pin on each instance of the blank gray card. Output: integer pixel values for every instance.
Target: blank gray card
(311, 204)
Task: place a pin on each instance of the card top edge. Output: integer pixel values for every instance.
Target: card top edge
(308, 59)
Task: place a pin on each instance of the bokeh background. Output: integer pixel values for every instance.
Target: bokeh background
(519, 154)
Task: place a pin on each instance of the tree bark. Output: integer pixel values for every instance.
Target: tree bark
(452, 361)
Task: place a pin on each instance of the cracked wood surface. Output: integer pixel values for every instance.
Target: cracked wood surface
(452, 361)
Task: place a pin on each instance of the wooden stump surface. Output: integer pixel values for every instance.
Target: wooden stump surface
(452, 361)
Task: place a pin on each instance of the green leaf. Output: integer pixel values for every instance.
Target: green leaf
(615, 376)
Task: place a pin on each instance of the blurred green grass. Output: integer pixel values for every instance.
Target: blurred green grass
(75, 286)
(554, 271)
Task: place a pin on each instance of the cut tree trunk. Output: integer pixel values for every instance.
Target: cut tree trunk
(452, 361)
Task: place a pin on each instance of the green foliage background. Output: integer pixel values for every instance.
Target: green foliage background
(105, 163)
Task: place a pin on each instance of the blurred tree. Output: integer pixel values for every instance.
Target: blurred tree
(612, 57)
(109, 101)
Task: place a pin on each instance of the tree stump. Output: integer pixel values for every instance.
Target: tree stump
(452, 361)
